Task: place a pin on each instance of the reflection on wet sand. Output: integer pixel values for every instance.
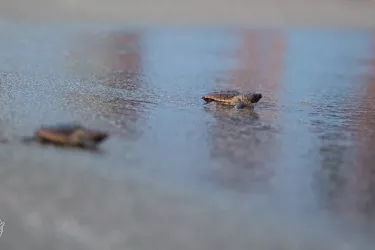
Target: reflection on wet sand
(260, 58)
(240, 143)
(344, 180)
(221, 111)
(123, 60)
(119, 61)
(360, 192)
(336, 158)
(241, 139)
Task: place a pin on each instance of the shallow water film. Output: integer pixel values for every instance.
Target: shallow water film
(297, 172)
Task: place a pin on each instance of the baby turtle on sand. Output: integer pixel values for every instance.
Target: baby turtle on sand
(72, 135)
(234, 98)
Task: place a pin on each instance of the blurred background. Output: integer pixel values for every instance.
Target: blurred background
(214, 12)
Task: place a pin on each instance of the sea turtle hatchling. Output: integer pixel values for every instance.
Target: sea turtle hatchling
(233, 97)
(72, 135)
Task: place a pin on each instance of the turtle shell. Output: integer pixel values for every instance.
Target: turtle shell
(69, 134)
(221, 96)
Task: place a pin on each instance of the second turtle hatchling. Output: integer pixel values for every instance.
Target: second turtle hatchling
(234, 98)
(72, 135)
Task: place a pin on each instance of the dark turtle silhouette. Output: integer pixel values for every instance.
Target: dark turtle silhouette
(72, 135)
(233, 97)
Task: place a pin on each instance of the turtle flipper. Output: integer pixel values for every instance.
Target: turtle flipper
(239, 105)
(88, 144)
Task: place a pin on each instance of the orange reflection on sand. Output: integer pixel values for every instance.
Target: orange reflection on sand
(236, 139)
(358, 196)
(261, 57)
(116, 64)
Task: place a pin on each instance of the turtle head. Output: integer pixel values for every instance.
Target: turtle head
(253, 97)
(98, 136)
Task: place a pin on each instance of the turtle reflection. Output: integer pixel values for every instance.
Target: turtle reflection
(238, 141)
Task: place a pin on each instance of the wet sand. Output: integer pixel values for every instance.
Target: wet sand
(295, 173)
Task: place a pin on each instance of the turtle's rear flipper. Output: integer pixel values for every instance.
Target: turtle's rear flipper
(33, 139)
